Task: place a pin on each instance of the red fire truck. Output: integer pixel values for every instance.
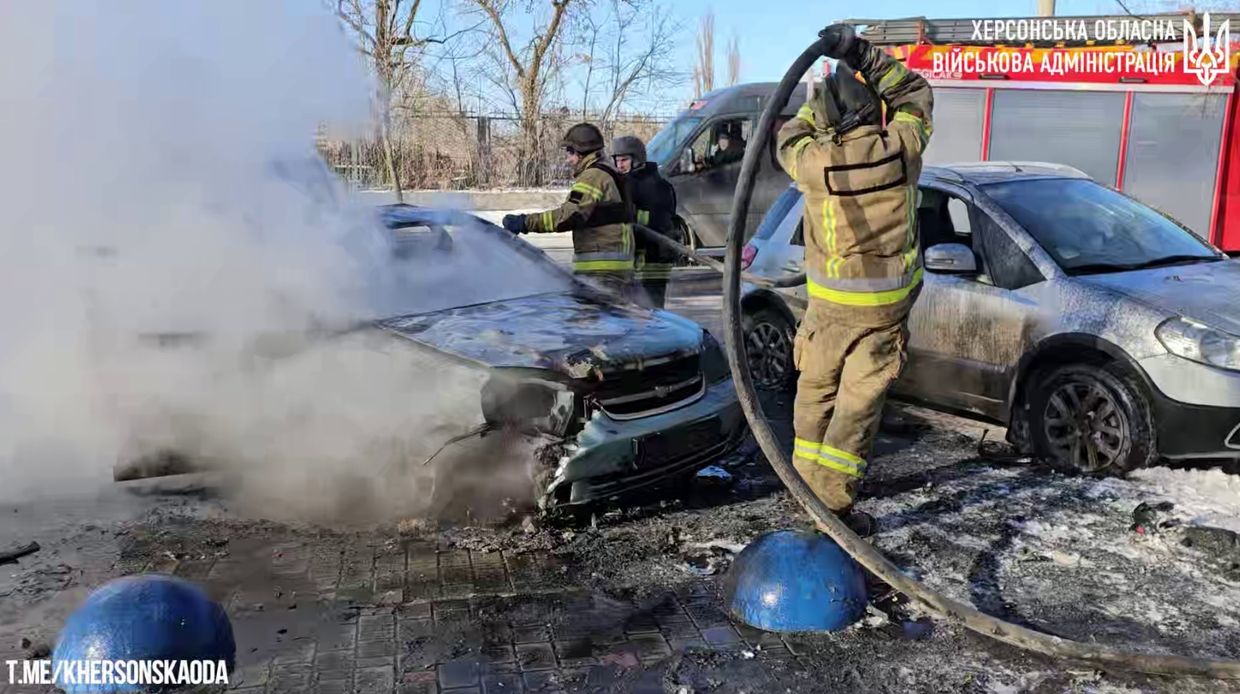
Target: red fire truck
(1148, 126)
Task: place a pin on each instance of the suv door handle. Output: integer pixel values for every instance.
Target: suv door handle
(792, 266)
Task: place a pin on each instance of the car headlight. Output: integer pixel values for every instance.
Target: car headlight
(1200, 343)
(714, 364)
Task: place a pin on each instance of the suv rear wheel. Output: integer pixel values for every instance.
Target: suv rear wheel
(1092, 420)
(768, 344)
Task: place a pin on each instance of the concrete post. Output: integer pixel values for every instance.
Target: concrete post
(1046, 8)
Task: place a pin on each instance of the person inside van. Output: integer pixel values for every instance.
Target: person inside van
(731, 146)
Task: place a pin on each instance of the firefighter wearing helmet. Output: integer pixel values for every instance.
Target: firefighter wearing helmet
(597, 211)
(858, 171)
(655, 202)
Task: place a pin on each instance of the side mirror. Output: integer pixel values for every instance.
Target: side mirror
(951, 258)
(686, 161)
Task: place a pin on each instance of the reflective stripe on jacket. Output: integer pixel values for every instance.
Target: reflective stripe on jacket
(861, 240)
(600, 215)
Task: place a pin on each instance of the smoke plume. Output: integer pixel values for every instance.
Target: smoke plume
(166, 244)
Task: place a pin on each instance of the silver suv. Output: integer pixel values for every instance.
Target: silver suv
(1104, 334)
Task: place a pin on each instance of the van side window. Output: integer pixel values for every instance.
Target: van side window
(721, 143)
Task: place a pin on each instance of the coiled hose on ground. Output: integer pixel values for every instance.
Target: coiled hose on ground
(865, 554)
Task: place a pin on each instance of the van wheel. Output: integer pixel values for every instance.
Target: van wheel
(768, 345)
(686, 237)
(1092, 420)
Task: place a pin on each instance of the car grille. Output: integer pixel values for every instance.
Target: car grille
(649, 391)
(660, 449)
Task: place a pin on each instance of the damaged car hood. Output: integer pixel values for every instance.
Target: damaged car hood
(1205, 292)
(564, 332)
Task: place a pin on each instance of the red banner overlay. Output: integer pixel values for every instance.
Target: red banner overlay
(1096, 64)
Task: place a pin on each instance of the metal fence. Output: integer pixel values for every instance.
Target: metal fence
(453, 151)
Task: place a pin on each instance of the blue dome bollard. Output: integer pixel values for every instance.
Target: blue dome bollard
(147, 617)
(791, 580)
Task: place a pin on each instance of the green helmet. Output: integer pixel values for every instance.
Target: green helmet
(629, 146)
(583, 138)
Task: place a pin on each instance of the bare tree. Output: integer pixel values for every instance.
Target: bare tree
(704, 72)
(734, 60)
(629, 54)
(593, 32)
(384, 32)
(527, 73)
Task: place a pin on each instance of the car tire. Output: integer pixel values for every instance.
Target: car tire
(1092, 420)
(769, 337)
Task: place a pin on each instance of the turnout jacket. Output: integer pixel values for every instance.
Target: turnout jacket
(861, 242)
(600, 215)
(655, 202)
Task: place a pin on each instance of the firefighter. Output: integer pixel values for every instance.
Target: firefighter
(598, 212)
(858, 171)
(655, 202)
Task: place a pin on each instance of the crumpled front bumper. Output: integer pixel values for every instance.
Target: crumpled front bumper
(611, 457)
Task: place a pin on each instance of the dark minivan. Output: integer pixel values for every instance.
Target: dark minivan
(700, 153)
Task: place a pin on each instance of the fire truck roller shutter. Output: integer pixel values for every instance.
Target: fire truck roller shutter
(1173, 150)
(1080, 129)
(958, 122)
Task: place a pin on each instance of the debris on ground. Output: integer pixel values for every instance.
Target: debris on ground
(714, 473)
(529, 526)
(10, 556)
(415, 527)
(36, 650)
(1220, 542)
(1151, 518)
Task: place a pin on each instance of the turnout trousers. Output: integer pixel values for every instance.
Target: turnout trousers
(845, 372)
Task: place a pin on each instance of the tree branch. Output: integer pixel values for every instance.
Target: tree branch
(488, 6)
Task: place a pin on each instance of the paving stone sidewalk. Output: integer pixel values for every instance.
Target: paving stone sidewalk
(414, 617)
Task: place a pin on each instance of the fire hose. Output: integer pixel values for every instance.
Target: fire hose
(794, 280)
(863, 552)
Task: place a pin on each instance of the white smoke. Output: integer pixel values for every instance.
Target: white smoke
(153, 181)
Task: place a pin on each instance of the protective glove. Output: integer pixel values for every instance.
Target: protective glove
(515, 223)
(838, 41)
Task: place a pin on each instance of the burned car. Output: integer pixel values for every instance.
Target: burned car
(633, 396)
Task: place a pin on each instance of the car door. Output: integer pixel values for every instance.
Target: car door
(968, 330)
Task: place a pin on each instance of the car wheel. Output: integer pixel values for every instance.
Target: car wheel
(768, 346)
(1092, 420)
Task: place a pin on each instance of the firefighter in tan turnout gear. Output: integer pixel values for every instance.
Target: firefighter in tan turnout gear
(598, 212)
(857, 168)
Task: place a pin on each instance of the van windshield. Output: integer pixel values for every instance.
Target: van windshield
(663, 146)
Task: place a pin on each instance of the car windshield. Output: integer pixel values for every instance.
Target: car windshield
(461, 263)
(1089, 228)
(663, 146)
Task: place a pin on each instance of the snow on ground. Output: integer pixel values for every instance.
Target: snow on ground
(1212, 497)
(1059, 553)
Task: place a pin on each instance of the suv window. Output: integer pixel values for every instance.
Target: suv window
(1003, 261)
(945, 218)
